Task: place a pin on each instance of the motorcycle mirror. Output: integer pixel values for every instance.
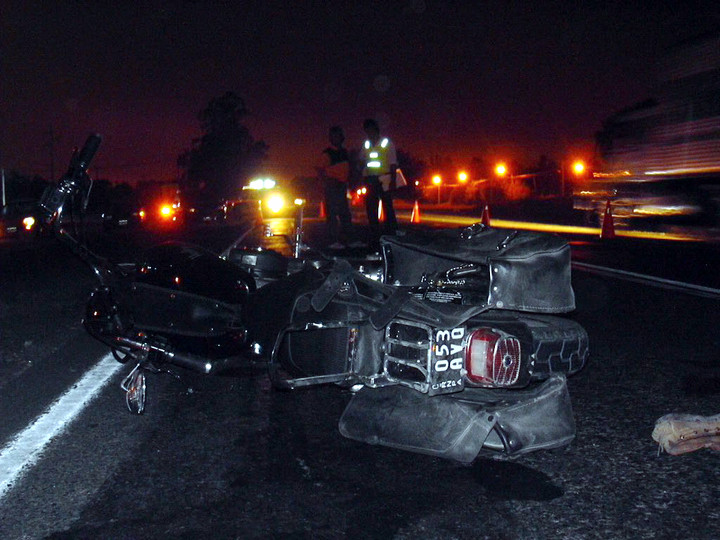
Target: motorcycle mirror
(134, 386)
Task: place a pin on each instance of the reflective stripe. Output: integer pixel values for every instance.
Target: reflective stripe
(377, 158)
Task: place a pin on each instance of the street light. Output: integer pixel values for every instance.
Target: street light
(437, 180)
(501, 169)
(578, 169)
(462, 177)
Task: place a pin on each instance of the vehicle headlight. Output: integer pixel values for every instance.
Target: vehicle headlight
(275, 203)
(29, 223)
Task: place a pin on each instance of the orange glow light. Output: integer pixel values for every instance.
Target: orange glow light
(166, 211)
(462, 177)
(501, 169)
(437, 180)
(578, 167)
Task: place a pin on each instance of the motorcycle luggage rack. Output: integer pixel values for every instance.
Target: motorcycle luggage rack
(282, 379)
(408, 350)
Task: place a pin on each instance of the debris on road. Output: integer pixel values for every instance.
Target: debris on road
(682, 433)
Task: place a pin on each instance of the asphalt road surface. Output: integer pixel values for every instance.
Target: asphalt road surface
(229, 457)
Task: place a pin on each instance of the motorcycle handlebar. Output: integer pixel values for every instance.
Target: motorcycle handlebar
(88, 151)
(185, 360)
(189, 361)
(74, 180)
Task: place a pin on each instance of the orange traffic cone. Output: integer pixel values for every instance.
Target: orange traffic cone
(381, 214)
(608, 227)
(485, 219)
(322, 214)
(415, 216)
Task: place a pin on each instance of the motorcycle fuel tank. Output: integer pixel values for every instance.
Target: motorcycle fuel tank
(186, 290)
(191, 269)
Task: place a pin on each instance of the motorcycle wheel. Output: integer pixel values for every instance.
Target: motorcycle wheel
(561, 346)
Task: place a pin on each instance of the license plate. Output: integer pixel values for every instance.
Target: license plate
(448, 361)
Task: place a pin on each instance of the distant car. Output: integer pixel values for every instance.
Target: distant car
(120, 216)
(162, 214)
(241, 211)
(20, 219)
(274, 201)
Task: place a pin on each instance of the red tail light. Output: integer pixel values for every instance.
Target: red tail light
(493, 358)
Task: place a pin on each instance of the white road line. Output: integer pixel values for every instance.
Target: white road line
(25, 448)
(698, 290)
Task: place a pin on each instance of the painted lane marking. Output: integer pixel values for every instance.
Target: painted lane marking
(555, 228)
(25, 448)
(698, 290)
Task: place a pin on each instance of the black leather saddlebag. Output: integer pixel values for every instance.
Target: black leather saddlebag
(479, 265)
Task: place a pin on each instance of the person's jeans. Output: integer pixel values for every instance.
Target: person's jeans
(338, 210)
(374, 195)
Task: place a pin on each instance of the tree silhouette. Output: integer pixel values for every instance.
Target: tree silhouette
(222, 160)
(412, 167)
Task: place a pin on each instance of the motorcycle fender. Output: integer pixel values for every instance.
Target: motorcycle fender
(457, 426)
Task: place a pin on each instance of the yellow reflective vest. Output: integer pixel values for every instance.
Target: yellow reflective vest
(379, 158)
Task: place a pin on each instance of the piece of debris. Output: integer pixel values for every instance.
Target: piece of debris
(678, 433)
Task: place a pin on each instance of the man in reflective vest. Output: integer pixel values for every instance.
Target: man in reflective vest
(379, 176)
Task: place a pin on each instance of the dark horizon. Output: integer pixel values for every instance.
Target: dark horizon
(504, 80)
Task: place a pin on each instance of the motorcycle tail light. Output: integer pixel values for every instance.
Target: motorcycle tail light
(493, 358)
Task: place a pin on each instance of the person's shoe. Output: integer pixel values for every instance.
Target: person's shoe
(336, 245)
(357, 244)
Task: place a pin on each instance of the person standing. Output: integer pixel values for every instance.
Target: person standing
(335, 175)
(380, 174)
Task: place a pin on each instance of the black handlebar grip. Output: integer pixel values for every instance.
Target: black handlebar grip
(88, 151)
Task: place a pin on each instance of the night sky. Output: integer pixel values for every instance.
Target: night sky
(495, 79)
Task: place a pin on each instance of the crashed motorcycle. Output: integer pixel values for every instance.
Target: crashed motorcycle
(452, 344)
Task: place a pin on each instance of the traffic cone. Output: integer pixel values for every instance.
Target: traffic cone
(485, 219)
(415, 216)
(322, 214)
(381, 214)
(608, 227)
